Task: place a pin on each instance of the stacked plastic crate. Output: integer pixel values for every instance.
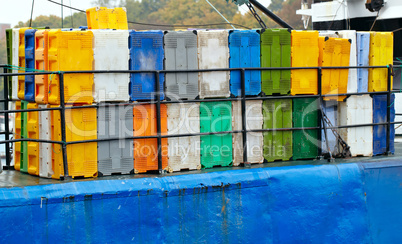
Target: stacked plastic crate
(147, 53)
(114, 118)
(305, 53)
(334, 52)
(244, 50)
(70, 51)
(180, 49)
(275, 52)
(213, 53)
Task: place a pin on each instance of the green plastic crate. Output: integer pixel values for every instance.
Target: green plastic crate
(277, 144)
(24, 134)
(9, 43)
(216, 150)
(305, 142)
(275, 52)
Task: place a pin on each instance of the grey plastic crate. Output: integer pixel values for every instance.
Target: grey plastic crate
(115, 157)
(181, 54)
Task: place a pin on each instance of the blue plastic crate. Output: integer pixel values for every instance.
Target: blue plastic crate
(363, 48)
(380, 131)
(30, 64)
(244, 48)
(146, 53)
(330, 109)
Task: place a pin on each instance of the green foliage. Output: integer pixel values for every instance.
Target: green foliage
(180, 12)
(275, 5)
(3, 52)
(53, 21)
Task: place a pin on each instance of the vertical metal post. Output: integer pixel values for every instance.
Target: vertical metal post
(388, 109)
(243, 116)
(6, 119)
(320, 121)
(63, 123)
(158, 121)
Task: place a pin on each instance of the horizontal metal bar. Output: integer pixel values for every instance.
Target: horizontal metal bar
(31, 140)
(28, 110)
(185, 71)
(194, 134)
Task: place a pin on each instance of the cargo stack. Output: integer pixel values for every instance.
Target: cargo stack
(108, 45)
(72, 50)
(147, 53)
(111, 52)
(277, 113)
(214, 53)
(181, 54)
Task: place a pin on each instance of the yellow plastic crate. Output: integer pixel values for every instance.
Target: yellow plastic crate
(381, 54)
(17, 135)
(33, 133)
(334, 52)
(71, 51)
(41, 63)
(107, 18)
(82, 157)
(304, 52)
(21, 62)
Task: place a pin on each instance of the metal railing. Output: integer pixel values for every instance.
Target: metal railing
(158, 103)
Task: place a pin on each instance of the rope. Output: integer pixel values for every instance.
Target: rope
(13, 67)
(30, 20)
(223, 17)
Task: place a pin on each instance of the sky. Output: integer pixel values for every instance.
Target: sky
(13, 11)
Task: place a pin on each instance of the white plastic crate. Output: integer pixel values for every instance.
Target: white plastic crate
(352, 77)
(14, 61)
(183, 152)
(254, 139)
(111, 53)
(213, 52)
(357, 110)
(45, 149)
(398, 110)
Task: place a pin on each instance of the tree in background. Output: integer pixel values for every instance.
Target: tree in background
(190, 12)
(288, 14)
(275, 5)
(53, 21)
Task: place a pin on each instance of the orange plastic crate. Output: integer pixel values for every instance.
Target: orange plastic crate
(17, 135)
(41, 63)
(146, 150)
(33, 133)
(21, 62)
(82, 158)
(304, 53)
(334, 52)
(71, 51)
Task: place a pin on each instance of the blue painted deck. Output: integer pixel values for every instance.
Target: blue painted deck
(311, 202)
